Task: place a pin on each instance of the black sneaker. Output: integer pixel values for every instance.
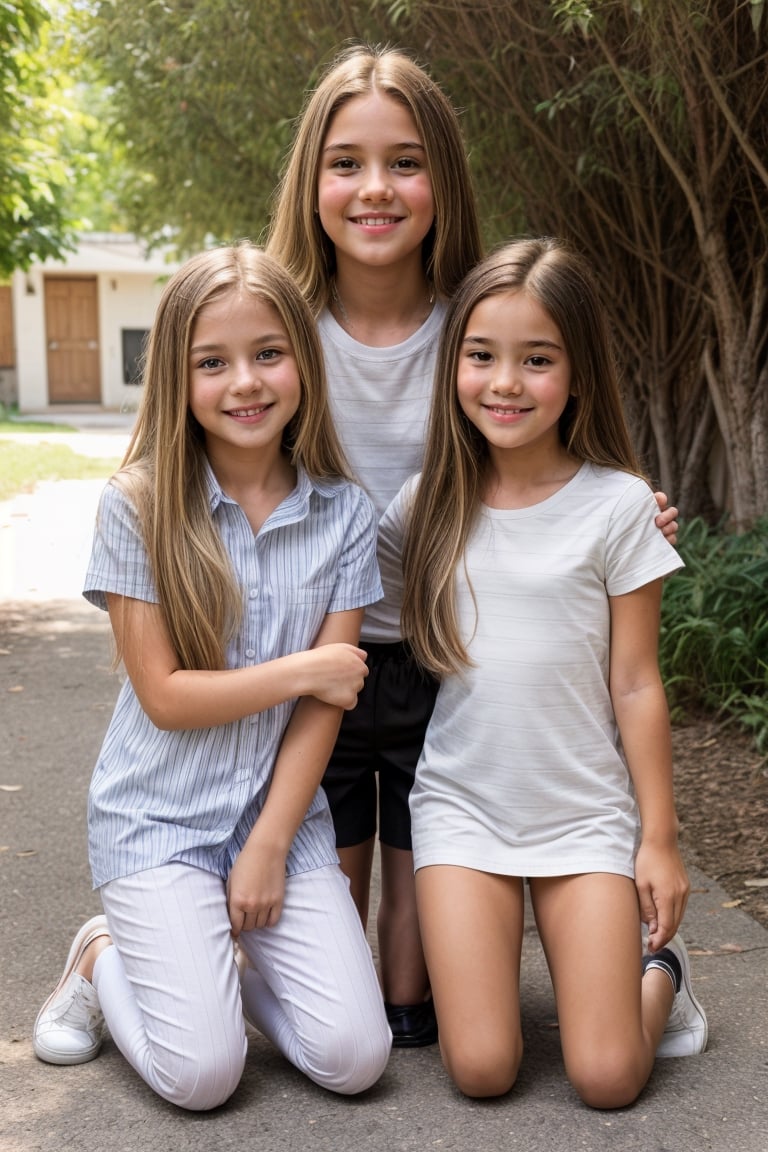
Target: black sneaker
(413, 1025)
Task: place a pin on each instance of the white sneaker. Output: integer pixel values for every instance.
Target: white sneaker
(68, 1029)
(686, 1030)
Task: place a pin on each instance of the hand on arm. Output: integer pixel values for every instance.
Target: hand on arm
(642, 716)
(667, 517)
(177, 698)
(256, 884)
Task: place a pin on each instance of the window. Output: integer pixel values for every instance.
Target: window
(134, 345)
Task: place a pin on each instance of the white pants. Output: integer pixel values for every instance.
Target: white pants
(171, 997)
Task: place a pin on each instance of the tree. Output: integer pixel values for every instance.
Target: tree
(55, 168)
(32, 221)
(638, 130)
(203, 98)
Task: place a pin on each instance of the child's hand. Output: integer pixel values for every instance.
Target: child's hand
(667, 518)
(662, 888)
(336, 673)
(255, 888)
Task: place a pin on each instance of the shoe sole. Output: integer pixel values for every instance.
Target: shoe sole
(48, 1056)
(81, 941)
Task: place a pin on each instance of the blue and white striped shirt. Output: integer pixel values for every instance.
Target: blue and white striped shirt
(158, 796)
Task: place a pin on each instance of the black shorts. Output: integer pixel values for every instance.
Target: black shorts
(383, 734)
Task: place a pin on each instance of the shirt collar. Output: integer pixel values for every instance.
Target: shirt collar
(296, 503)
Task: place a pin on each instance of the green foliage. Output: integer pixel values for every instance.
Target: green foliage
(203, 100)
(32, 222)
(55, 164)
(77, 125)
(714, 637)
(635, 129)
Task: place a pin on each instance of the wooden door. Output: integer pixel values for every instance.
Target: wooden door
(7, 352)
(72, 334)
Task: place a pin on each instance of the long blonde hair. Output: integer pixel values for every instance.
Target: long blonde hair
(297, 238)
(592, 427)
(164, 471)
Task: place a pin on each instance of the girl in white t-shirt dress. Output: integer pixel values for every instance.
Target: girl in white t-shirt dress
(531, 582)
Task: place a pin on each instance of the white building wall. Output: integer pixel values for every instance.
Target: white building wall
(29, 331)
(129, 285)
(125, 301)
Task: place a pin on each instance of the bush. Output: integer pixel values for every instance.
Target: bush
(714, 634)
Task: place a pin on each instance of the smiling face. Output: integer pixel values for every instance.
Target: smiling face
(244, 384)
(514, 374)
(374, 193)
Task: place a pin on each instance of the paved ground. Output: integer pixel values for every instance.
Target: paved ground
(56, 695)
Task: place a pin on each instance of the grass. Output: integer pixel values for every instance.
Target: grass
(22, 466)
(10, 422)
(9, 425)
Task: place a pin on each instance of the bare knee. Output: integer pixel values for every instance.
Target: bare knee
(483, 1070)
(609, 1079)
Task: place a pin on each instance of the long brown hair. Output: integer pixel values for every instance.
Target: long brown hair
(164, 470)
(297, 238)
(592, 427)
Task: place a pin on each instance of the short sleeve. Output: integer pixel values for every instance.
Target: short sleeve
(357, 583)
(119, 561)
(391, 537)
(636, 550)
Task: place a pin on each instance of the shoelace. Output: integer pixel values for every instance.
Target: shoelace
(81, 1011)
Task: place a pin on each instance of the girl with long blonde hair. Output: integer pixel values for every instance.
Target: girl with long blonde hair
(235, 559)
(376, 219)
(530, 573)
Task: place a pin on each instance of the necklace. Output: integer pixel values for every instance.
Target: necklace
(340, 303)
(345, 315)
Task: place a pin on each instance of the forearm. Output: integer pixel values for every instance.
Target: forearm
(301, 762)
(256, 884)
(204, 699)
(175, 698)
(643, 721)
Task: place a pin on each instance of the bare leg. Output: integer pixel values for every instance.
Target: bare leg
(91, 954)
(611, 1021)
(472, 929)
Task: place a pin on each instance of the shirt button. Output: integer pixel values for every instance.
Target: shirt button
(250, 653)
(253, 593)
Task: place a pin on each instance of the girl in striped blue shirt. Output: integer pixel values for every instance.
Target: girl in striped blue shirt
(235, 558)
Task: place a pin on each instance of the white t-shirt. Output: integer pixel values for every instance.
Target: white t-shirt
(380, 400)
(522, 771)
